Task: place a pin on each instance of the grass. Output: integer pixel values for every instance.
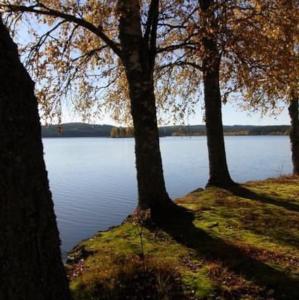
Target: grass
(235, 244)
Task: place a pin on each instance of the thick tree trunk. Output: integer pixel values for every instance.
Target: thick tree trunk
(219, 174)
(139, 70)
(151, 185)
(30, 263)
(294, 133)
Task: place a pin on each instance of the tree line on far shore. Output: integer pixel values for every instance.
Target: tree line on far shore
(93, 130)
(200, 130)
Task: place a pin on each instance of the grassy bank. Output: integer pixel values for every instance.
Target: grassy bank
(239, 244)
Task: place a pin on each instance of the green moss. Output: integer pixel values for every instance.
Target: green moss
(198, 283)
(240, 244)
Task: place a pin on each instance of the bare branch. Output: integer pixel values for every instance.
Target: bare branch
(41, 9)
(153, 39)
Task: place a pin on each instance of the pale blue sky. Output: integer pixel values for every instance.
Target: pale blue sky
(232, 113)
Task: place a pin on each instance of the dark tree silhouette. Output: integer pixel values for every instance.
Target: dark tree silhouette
(30, 262)
(294, 133)
(219, 174)
(138, 56)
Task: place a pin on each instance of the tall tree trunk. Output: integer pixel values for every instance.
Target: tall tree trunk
(30, 262)
(219, 174)
(294, 133)
(138, 64)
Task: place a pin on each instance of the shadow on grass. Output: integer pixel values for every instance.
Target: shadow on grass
(182, 229)
(241, 191)
(134, 282)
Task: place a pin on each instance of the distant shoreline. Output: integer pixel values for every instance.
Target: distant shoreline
(93, 130)
(164, 136)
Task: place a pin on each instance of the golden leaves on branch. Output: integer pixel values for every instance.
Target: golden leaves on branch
(257, 40)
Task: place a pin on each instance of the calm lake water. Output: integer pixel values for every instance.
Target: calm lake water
(93, 180)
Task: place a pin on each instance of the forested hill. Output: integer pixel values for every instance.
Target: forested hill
(89, 130)
(76, 130)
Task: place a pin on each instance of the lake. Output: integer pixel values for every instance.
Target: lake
(93, 180)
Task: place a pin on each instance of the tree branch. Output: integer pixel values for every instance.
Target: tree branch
(150, 35)
(148, 23)
(176, 47)
(181, 64)
(43, 10)
(153, 40)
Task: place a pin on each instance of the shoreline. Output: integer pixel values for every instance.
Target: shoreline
(245, 225)
(109, 137)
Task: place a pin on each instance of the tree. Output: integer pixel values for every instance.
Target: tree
(194, 57)
(138, 56)
(117, 132)
(30, 261)
(275, 82)
(231, 43)
(294, 133)
(211, 60)
(114, 132)
(117, 38)
(203, 34)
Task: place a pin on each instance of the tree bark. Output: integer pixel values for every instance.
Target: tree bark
(294, 133)
(30, 262)
(138, 62)
(219, 173)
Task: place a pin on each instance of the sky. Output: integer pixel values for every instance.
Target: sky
(232, 113)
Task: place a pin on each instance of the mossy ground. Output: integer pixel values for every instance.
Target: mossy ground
(236, 244)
